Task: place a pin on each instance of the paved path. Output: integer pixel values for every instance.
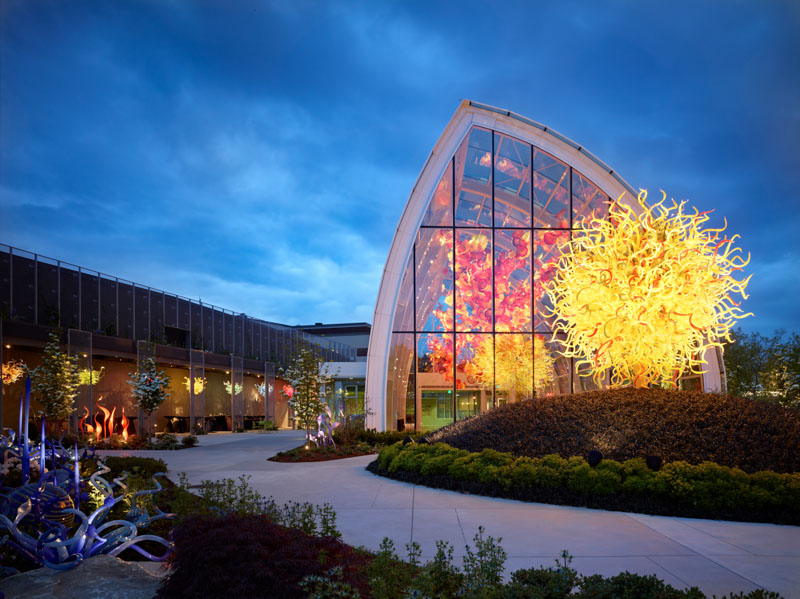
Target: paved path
(719, 557)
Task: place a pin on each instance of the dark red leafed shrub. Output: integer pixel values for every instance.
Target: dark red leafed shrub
(625, 423)
(249, 556)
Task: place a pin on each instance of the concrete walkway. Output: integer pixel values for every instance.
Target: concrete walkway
(718, 557)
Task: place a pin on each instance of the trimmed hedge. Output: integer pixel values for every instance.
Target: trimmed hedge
(627, 423)
(706, 490)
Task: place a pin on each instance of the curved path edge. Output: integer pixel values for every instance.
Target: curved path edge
(719, 557)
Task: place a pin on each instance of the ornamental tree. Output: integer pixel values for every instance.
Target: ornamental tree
(307, 375)
(55, 383)
(645, 292)
(148, 386)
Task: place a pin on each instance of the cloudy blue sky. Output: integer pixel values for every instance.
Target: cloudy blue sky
(258, 155)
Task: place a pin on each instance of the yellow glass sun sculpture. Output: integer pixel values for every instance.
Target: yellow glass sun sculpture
(643, 294)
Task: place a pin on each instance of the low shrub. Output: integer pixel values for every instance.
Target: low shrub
(189, 441)
(250, 556)
(353, 435)
(141, 467)
(277, 554)
(164, 441)
(678, 488)
(480, 577)
(626, 423)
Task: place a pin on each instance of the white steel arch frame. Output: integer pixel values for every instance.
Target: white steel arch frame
(526, 130)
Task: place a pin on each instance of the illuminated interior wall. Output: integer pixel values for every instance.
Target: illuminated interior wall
(469, 329)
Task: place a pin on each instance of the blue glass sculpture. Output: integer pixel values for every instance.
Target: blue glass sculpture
(42, 517)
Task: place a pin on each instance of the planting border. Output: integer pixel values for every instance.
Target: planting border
(781, 502)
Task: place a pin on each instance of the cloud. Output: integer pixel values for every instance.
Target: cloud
(262, 153)
(13, 198)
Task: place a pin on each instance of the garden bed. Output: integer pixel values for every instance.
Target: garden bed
(322, 454)
(707, 490)
(350, 443)
(248, 555)
(628, 423)
(159, 442)
(230, 541)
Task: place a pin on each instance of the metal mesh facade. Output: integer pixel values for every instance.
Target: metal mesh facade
(49, 292)
(79, 345)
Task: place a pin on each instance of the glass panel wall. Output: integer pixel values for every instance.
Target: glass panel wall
(512, 281)
(550, 192)
(512, 187)
(434, 279)
(588, 200)
(400, 381)
(476, 332)
(474, 280)
(474, 374)
(440, 210)
(434, 393)
(404, 314)
(546, 252)
(473, 184)
(513, 367)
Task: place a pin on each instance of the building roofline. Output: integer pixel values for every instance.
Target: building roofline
(557, 135)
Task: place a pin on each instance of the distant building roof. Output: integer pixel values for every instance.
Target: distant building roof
(341, 328)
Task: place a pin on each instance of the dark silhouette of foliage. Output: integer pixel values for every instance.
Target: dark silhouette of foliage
(764, 368)
(249, 556)
(625, 423)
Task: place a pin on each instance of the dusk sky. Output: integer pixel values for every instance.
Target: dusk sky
(258, 155)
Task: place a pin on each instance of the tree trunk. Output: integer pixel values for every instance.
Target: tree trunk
(149, 426)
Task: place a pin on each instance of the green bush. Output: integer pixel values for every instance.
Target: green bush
(165, 441)
(388, 454)
(141, 467)
(480, 577)
(351, 435)
(680, 425)
(440, 464)
(706, 486)
(626, 584)
(189, 441)
(466, 467)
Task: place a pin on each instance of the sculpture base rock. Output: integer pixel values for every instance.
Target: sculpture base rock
(98, 577)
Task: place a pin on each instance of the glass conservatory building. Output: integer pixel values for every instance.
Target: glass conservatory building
(460, 323)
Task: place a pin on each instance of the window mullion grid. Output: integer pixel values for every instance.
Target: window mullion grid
(417, 425)
(533, 302)
(571, 227)
(494, 248)
(455, 278)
